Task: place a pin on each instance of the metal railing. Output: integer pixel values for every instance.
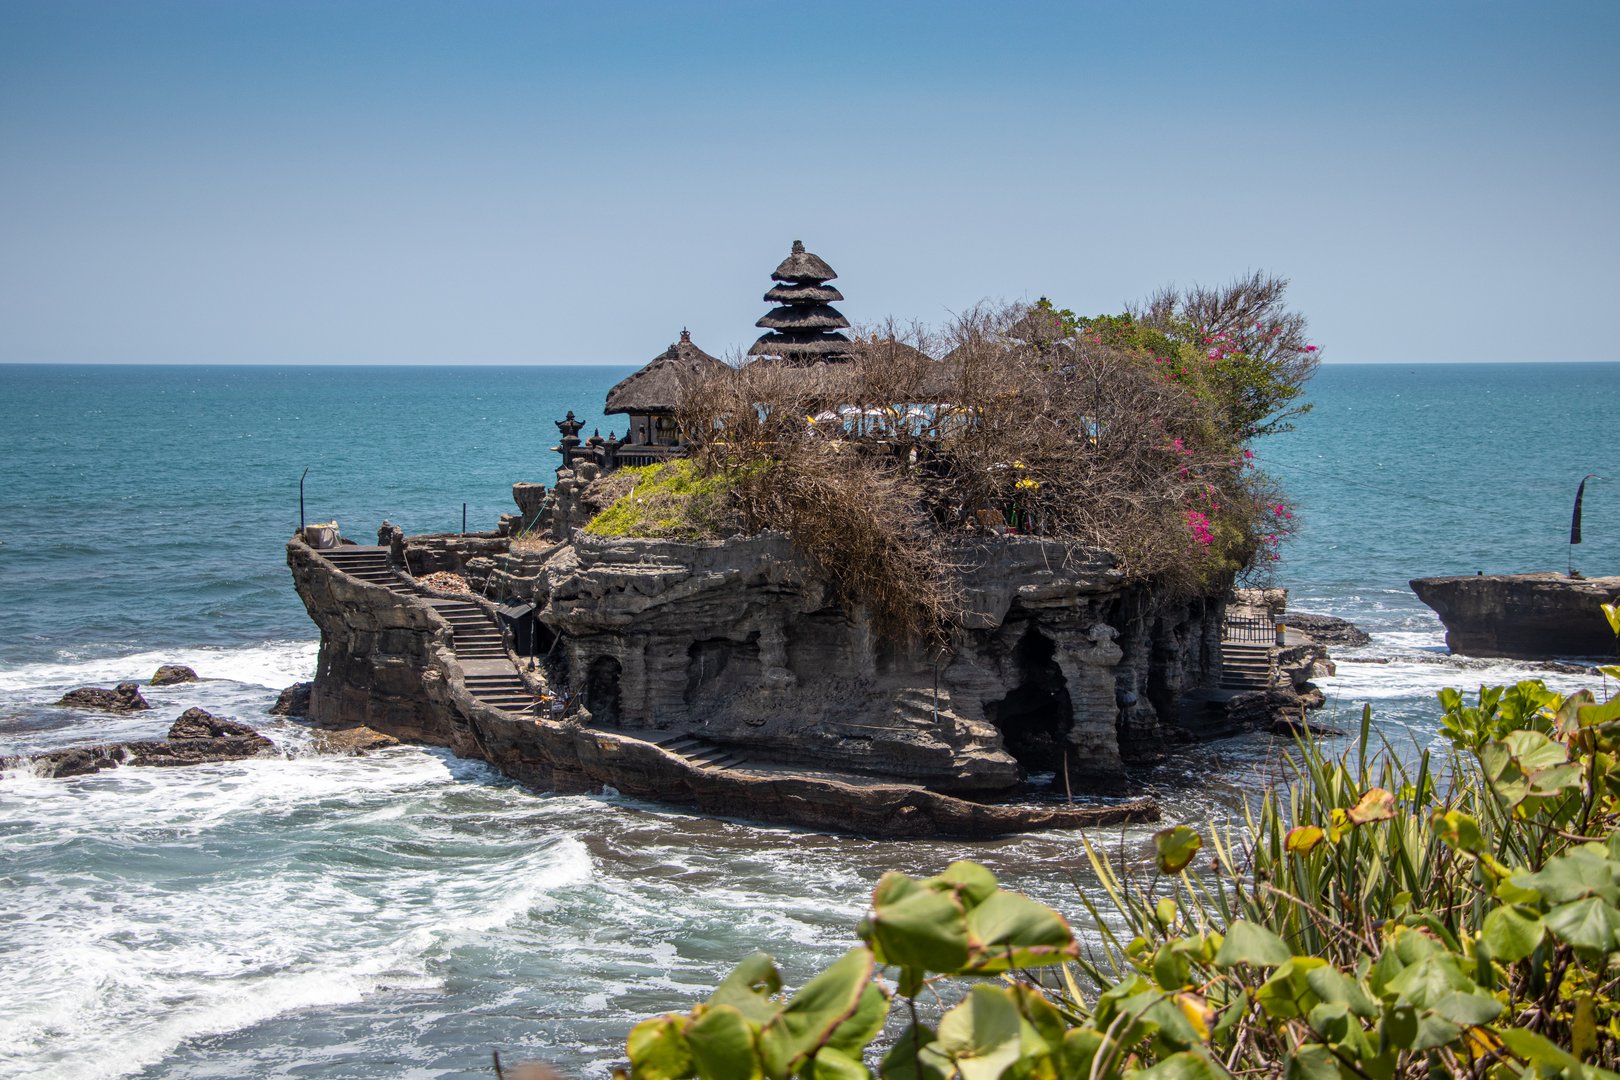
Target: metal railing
(1248, 630)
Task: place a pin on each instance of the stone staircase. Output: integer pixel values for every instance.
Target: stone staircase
(488, 671)
(369, 564)
(1245, 667)
(700, 753)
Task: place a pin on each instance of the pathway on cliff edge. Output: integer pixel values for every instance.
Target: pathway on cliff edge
(487, 670)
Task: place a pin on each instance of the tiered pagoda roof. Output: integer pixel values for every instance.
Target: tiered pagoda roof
(803, 329)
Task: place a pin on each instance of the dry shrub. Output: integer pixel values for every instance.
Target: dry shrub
(1010, 415)
(859, 517)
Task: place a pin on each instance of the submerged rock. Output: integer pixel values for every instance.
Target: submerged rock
(172, 674)
(125, 697)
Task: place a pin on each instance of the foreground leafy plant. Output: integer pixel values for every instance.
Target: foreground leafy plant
(1365, 923)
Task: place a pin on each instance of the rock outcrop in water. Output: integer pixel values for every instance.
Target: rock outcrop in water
(1523, 616)
(172, 675)
(197, 737)
(125, 697)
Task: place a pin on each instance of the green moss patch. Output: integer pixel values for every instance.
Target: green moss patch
(673, 501)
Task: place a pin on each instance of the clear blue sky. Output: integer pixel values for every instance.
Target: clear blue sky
(410, 182)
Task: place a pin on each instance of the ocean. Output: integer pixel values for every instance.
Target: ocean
(405, 913)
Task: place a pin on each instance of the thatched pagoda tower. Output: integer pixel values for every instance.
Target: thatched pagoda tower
(803, 329)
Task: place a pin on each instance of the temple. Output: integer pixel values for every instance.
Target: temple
(723, 671)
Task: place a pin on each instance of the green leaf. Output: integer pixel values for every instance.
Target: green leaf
(831, 1064)
(1331, 984)
(1429, 979)
(975, 882)
(1079, 1050)
(1611, 612)
(1579, 872)
(856, 1034)
(1312, 1062)
(1288, 992)
(1249, 943)
(749, 989)
(1009, 930)
(917, 927)
(1176, 847)
(1458, 831)
(1536, 1049)
(1399, 1029)
(1186, 1065)
(1533, 750)
(1467, 1009)
(1510, 935)
(1171, 969)
(1589, 924)
(658, 1049)
(722, 1045)
(915, 1055)
(816, 1011)
(981, 1035)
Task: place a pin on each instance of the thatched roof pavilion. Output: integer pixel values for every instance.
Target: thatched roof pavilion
(656, 388)
(804, 328)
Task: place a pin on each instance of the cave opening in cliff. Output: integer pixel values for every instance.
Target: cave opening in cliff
(1036, 717)
(602, 690)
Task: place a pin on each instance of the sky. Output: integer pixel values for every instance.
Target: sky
(348, 181)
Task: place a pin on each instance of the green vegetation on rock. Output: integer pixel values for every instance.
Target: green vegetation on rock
(674, 501)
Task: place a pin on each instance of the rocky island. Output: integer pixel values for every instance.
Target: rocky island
(848, 585)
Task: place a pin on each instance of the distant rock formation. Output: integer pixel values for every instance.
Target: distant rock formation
(125, 697)
(1523, 616)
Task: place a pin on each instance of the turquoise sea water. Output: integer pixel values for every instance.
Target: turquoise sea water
(402, 914)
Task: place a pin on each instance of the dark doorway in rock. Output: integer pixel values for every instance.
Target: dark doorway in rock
(602, 690)
(1035, 719)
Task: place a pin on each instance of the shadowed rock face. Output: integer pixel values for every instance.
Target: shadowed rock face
(1523, 616)
(738, 642)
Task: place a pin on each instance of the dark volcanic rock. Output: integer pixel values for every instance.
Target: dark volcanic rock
(1327, 629)
(172, 674)
(125, 697)
(201, 724)
(196, 738)
(75, 761)
(294, 701)
(1525, 616)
